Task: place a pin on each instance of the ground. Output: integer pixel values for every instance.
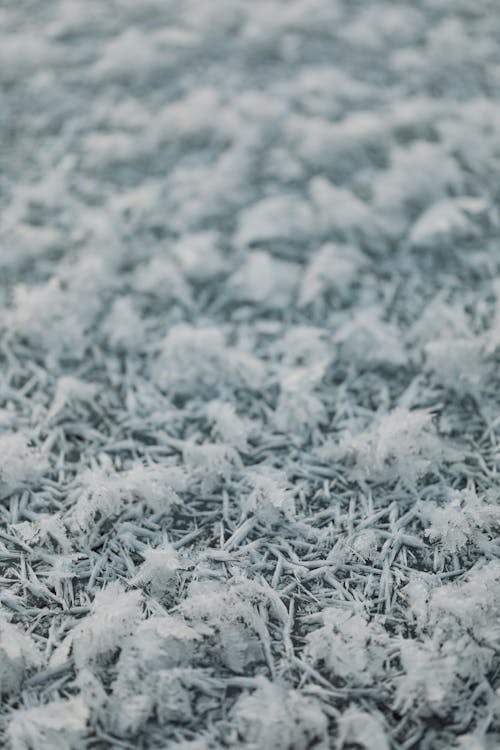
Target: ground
(249, 390)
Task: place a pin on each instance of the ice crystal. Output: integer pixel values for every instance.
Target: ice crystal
(249, 389)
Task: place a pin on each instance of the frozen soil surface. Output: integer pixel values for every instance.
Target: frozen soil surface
(249, 374)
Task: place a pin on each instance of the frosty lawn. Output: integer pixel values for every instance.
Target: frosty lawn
(249, 389)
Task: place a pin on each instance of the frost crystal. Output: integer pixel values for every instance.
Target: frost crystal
(18, 654)
(55, 726)
(465, 519)
(159, 569)
(270, 497)
(272, 717)
(402, 445)
(342, 646)
(365, 729)
(19, 464)
(194, 359)
(249, 375)
(332, 268)
(368, 340)
(114, 616)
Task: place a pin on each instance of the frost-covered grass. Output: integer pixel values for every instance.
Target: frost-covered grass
(249, 389)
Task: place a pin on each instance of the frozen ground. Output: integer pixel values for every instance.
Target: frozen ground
(249, 374)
